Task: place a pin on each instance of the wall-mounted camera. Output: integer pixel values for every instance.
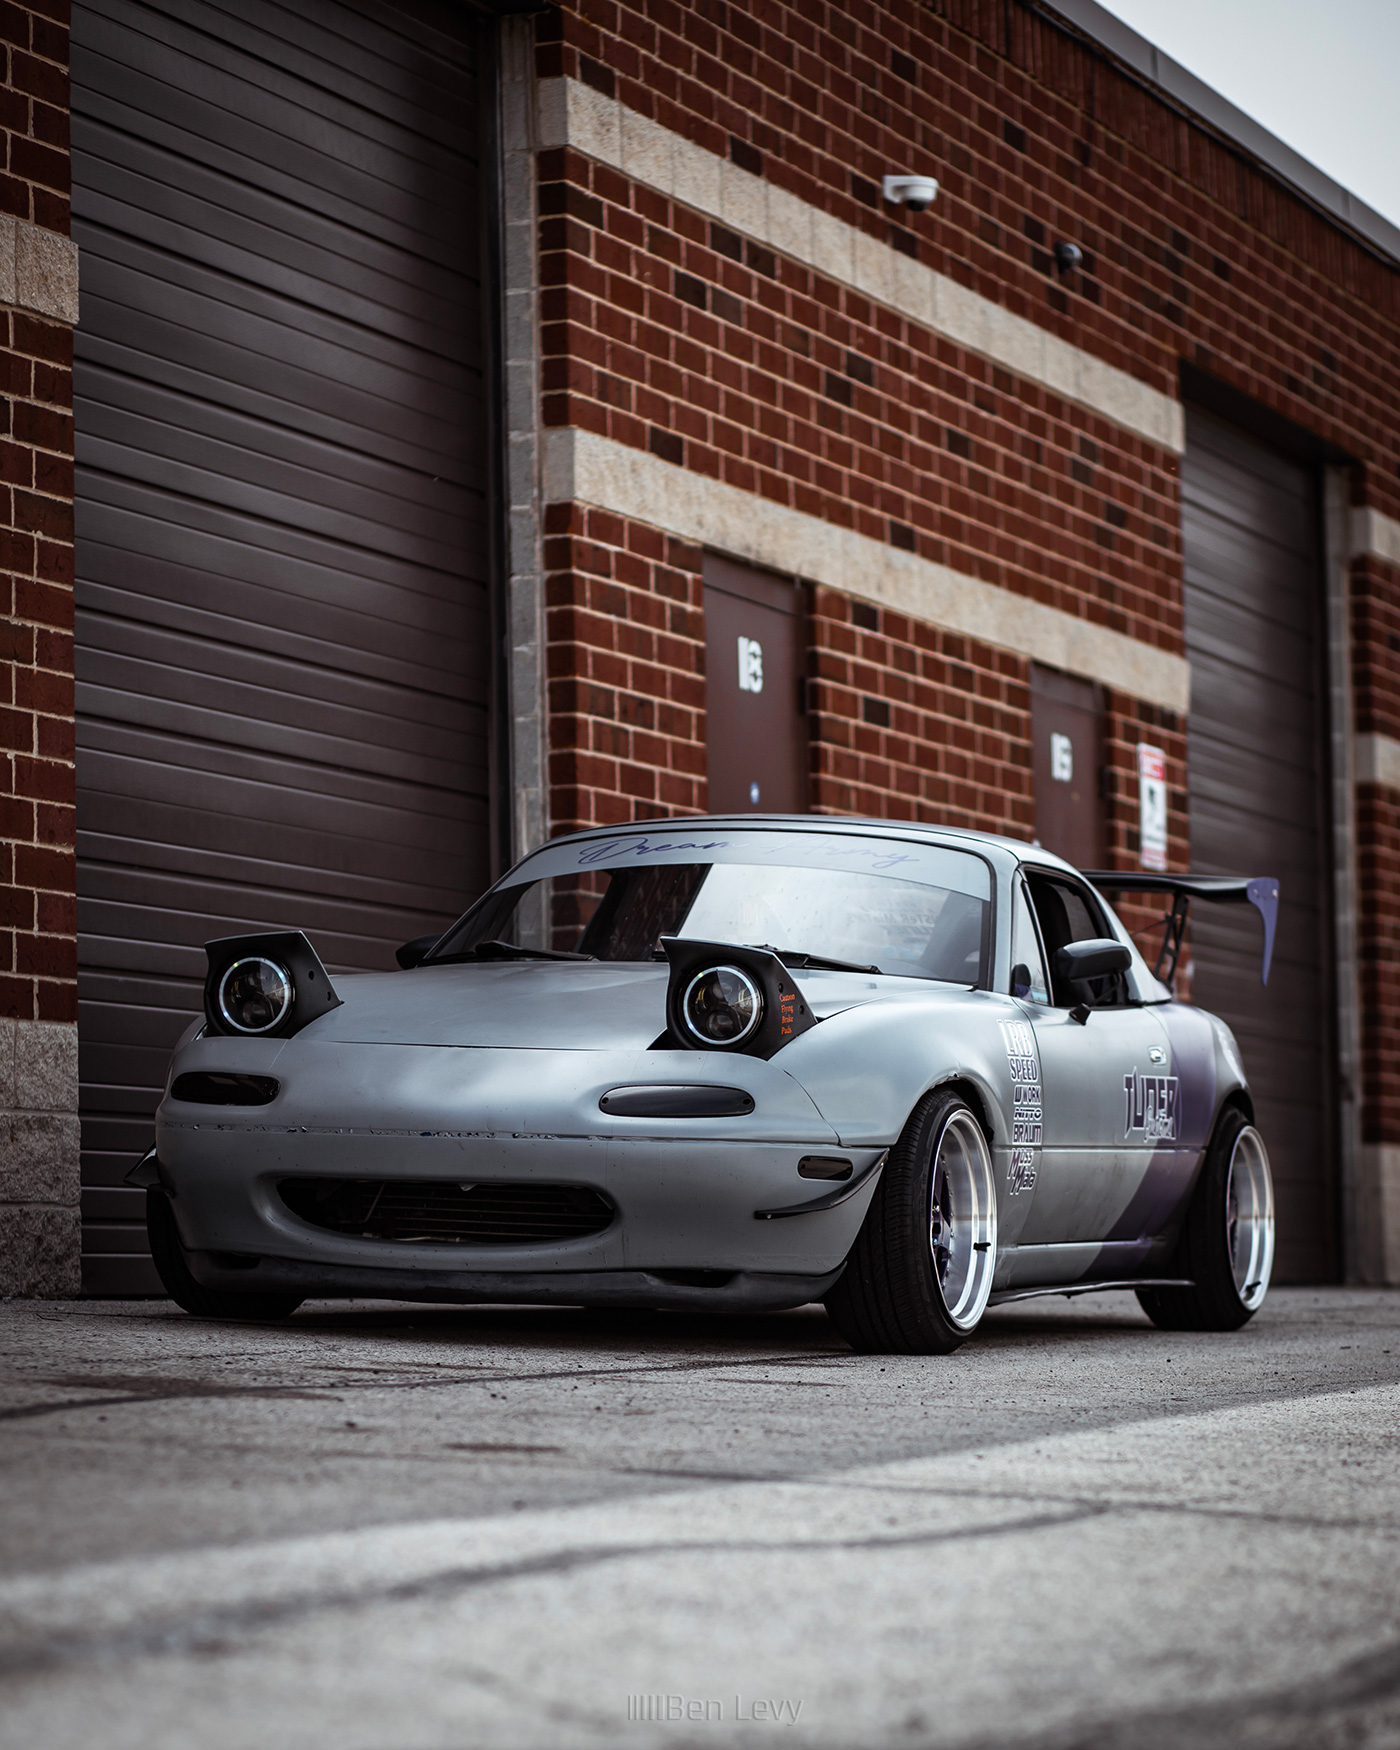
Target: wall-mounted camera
(914, 192)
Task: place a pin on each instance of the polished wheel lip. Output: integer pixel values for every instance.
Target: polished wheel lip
(278, 1018)
(962, 1219)
(739, 1038)
(1249, 1217)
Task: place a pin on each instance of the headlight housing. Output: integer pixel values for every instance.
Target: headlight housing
(255, 994)
(726, 996)
(722, 1006)
(265, 987)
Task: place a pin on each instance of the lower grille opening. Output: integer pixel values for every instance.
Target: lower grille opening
(434, 1212)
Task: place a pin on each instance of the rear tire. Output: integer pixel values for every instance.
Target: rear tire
(919, 1274)
(180, 1285)
(1227, 1241)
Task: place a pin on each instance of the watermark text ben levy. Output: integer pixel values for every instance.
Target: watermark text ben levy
(776, 1711)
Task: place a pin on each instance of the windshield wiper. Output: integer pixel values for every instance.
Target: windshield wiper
(821, 962)
(494, 950)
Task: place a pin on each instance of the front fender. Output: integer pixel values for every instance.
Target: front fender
(866, 1068)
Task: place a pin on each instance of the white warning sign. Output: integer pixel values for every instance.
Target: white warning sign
(1152, 806)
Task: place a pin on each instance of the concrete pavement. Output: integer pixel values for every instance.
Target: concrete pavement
(396, 1527)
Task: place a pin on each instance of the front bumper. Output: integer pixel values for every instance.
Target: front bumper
(686, 1191)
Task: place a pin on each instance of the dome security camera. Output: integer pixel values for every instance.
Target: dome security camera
(914, 192)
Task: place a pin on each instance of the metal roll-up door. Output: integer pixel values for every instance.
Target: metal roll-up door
(1256, 642)
(283, 642)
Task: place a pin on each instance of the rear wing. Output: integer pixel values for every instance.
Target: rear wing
(1260, 891)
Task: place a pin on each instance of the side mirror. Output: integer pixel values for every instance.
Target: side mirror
(1093, 959)
(414, 953)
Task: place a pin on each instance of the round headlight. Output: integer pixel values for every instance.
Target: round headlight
(255, 995)
(722, 1006)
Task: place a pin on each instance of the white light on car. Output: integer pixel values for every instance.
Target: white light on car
(255, 995)
(722, 1006)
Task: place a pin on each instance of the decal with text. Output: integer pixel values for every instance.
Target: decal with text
(1151, 1104)
(1026, 1118)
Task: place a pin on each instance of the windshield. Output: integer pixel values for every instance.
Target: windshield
(922, 927)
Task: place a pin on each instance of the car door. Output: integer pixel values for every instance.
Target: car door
(1107, 1099)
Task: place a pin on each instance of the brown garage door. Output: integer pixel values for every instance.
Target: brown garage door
(1254, 635)
(283, 641)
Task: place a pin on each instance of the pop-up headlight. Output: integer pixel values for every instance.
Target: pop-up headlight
(265, 987)
(727, 997)
(255, 994)
(721, 1006)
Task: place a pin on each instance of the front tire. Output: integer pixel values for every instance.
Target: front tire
(1227, 1242)
(180, 1284)
(919, 1275)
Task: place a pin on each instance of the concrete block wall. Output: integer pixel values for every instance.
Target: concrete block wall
(38, 991)
(39, 1220)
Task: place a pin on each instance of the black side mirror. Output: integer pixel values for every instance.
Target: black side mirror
(414, 953)
(1093, 959)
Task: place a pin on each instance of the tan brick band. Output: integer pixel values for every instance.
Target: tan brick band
(594, 470)
(572, 114)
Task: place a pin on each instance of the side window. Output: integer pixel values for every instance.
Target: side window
(1067, 913)
(1027, 965)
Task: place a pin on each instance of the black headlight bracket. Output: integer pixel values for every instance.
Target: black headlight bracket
(785, 1011)
(313, 994)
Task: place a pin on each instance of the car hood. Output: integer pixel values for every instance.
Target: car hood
(541, 1004)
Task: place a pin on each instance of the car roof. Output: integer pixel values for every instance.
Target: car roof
(964, 837)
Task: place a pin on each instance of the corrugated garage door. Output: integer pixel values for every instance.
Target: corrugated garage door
(1254, 635)
(283, 642)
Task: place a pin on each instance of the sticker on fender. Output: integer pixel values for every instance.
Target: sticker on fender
(1026, 1118)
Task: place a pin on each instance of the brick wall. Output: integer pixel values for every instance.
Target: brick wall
(38, 991)
(36, 514)
(626, 670)
(1191, 250)
(665, 331)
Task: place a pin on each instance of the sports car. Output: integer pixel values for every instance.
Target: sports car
(734, 1064)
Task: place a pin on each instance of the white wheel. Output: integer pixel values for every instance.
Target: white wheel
(962, 1229)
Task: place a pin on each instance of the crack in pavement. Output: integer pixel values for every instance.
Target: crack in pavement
(209, 1631)
(25, 1412)
(195, 1389)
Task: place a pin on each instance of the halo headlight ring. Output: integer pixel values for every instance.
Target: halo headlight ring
(255, 995)
(721, 1007)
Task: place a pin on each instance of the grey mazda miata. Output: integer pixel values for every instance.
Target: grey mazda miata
(729, 1064)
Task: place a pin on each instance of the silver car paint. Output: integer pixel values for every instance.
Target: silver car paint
(494, 1071)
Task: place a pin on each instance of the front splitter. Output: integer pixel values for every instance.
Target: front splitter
(739, 1291)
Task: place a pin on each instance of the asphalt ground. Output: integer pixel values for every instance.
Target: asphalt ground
(383, 1526)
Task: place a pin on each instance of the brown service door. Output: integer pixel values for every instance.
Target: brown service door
(755, 661)
(1066, 766)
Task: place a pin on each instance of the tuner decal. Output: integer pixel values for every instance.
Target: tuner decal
(1151, 1105)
